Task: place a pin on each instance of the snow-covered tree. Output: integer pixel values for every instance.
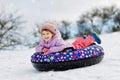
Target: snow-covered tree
(65, 29)
(10, 27)
(84, 28)
(103, 20)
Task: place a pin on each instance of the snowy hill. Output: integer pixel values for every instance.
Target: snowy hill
(16, 65)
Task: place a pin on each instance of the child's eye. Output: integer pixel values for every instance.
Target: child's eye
(43, 34)
(47, 33)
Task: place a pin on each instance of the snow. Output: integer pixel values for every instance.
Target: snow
(97, 20)
(16, 65)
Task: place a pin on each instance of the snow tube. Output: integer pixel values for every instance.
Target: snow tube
(68, 58)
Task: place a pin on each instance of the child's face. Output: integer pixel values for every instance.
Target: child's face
(46, 35)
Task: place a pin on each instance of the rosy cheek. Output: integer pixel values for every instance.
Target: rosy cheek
(43, 37)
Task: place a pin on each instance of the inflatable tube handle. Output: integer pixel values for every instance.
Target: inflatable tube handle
(68, 48)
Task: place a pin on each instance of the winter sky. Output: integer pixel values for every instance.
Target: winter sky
(40, 10)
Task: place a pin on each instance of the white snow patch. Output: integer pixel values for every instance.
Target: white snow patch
(16, 65)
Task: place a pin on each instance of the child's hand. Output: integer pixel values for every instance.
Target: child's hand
(46, 53)
(45, 50)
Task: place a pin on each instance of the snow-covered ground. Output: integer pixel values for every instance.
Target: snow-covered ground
(16, 65)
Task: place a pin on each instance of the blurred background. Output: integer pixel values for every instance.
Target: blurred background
(20, 20)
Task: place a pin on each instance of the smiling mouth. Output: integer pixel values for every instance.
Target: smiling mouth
(47, 38)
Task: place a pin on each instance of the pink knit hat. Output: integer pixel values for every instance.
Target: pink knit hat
(49, 26)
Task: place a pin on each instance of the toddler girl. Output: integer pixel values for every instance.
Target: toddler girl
(51, 39)
(53, 42)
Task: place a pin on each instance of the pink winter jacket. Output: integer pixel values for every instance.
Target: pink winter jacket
(55, 44)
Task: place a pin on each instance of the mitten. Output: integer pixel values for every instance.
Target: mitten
(45, 50)
(46, 53)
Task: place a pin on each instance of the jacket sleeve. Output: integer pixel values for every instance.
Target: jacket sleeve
(59, 46)
(39, 47)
